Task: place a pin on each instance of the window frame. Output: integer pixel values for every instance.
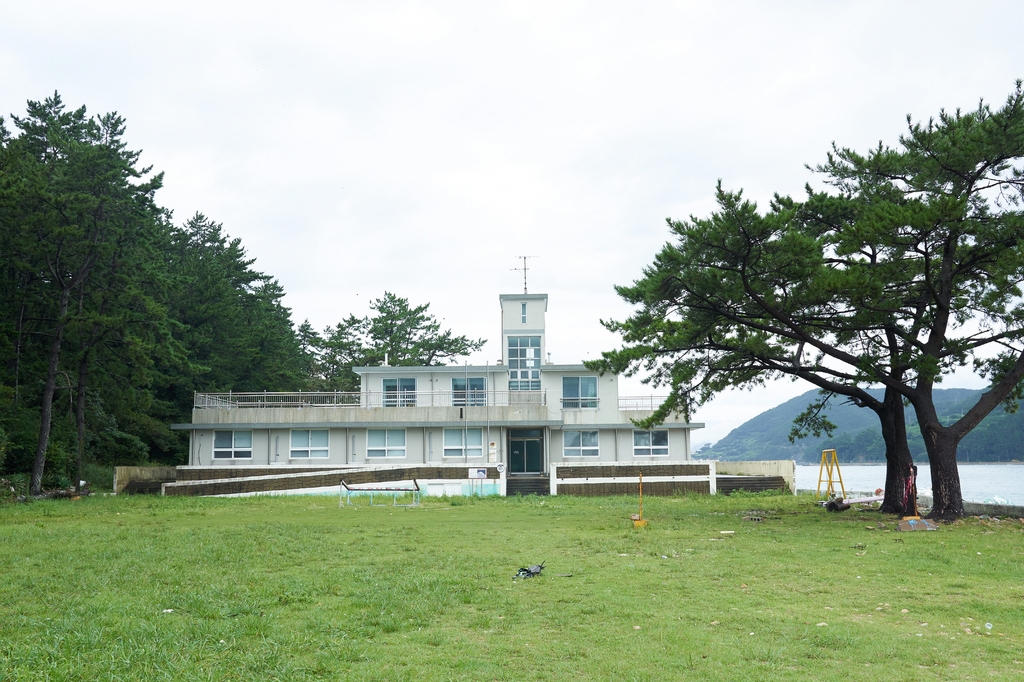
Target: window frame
(581, 451)
(390, 451)
(234, 449)
(397, 396)
(309, 449)
(524, 313)
(650, 446)
(579, 401)
(464, 449)
(469, 396)
(528, 363)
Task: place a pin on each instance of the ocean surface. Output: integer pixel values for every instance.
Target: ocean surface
(978, 482)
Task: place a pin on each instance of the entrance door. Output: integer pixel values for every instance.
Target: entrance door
(526, 452)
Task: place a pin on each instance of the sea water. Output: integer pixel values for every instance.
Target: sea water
(978, 482)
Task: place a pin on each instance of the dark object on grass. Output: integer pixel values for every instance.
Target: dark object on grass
(530, 572)
(837, 504)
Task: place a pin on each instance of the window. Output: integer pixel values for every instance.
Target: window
(310, 443)
(399, 393)
(385, 443)
(650, 443)
(524, 313)
(579, 392)
(232, 444)
(579, 444)
(524, 363)
(463, 443)
(476, 395)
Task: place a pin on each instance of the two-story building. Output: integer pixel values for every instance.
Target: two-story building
(523, 412)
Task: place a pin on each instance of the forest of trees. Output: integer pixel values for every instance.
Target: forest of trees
(113, 315)
(858, 438)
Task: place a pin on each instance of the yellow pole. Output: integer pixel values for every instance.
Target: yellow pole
(641, 496)
(821, 472)
(839, 473)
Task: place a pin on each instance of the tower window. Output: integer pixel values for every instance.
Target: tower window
(524, 363)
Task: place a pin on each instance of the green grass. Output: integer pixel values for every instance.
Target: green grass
(295, 588)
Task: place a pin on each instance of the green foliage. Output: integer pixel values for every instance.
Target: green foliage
(78, 222)
(813, 419)
(231, 330)
(4, 441)
(114, 316)
(856, 436)
(403, 335)
(908, 268)
(100, 477)
(107, 303)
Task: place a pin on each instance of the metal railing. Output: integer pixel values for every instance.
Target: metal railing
(640, 403)
(369, 399)
(579, 403)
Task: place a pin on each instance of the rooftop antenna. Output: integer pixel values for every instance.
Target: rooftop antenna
(524, 269)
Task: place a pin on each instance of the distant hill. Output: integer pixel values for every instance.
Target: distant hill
(859, 438)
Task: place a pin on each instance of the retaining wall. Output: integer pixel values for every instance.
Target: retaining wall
(125, 475)
(269, 482)
(786, 468)
(615, 478)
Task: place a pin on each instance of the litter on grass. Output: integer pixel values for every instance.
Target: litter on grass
(530, 571)
(916, 524)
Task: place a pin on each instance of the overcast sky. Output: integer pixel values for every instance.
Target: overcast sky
(420, 147)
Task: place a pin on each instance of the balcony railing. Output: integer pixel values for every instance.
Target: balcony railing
(370, 399)
(640, 403)
(579, 403)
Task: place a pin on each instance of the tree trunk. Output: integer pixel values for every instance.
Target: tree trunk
(948, 500)
(83, 370)
(46, 409)
(897, 453)
(17, 355)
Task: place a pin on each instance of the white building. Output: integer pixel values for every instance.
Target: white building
(522, 412)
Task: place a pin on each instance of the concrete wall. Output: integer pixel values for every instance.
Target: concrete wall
(616, 445)
(124, 475)
(346, 446)
(779, 467)
(423, 445)
(436, 378)
(607, 410)
(300, 416)
(282, 480)
(512, 309)
(665, 478)
(512, 321)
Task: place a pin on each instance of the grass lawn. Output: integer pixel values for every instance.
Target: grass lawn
(294, 588)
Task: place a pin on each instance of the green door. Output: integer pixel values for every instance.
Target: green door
(525, 456)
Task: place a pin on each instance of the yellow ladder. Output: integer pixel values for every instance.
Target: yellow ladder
(830, 467)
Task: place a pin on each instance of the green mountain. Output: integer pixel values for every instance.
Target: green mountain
(858, 437)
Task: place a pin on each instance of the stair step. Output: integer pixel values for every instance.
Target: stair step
(527, 485)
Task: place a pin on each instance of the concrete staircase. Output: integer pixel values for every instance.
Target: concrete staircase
(527, 485)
